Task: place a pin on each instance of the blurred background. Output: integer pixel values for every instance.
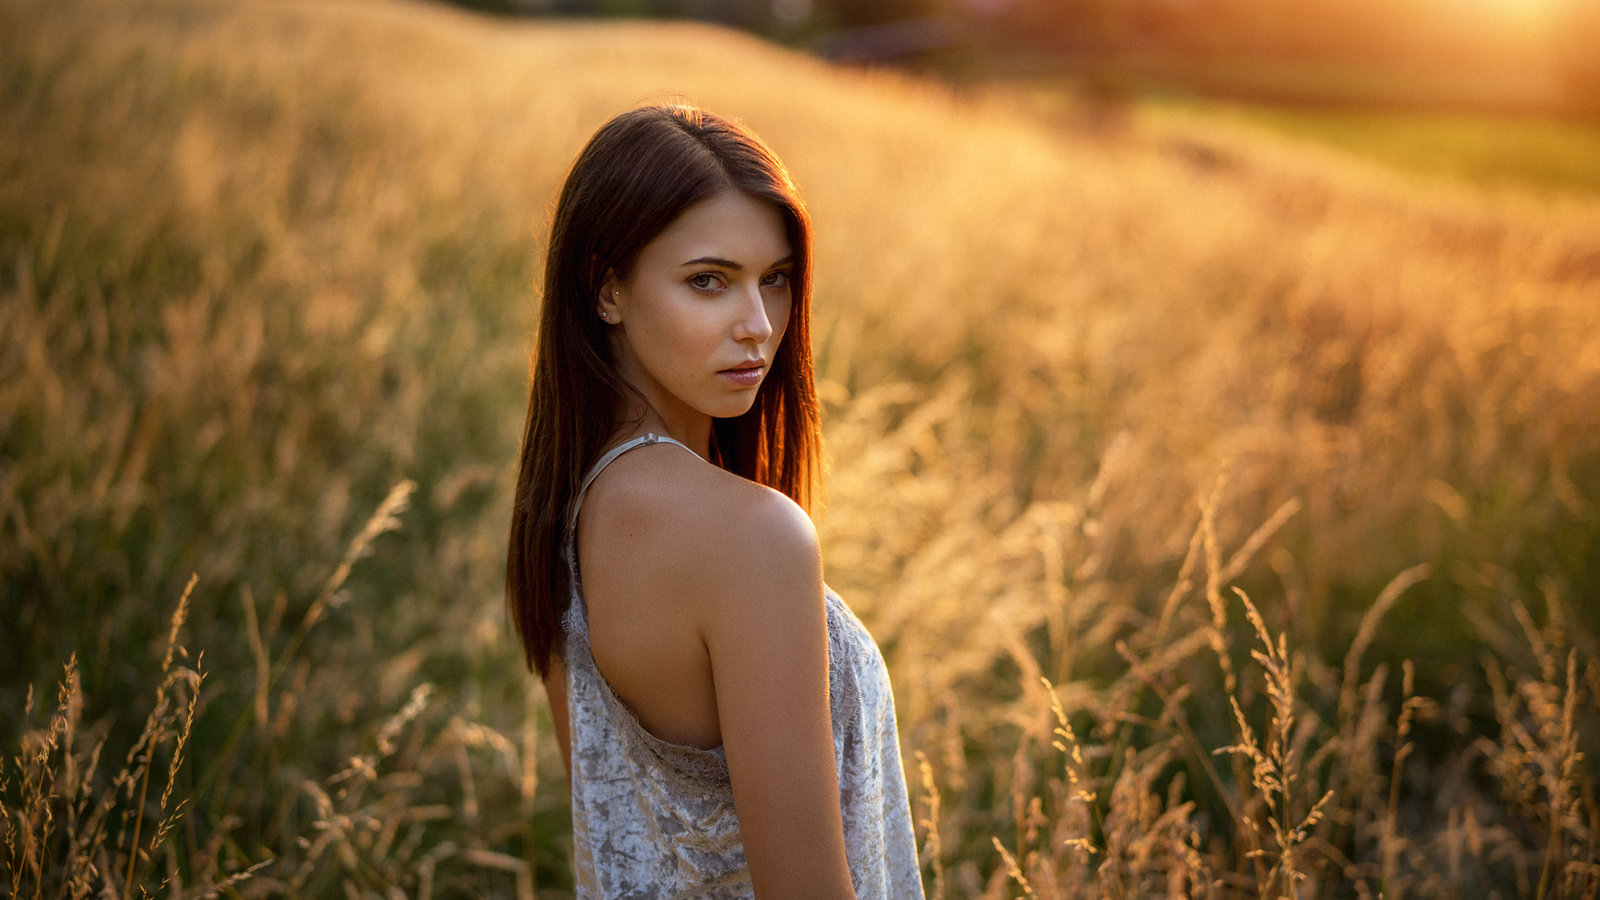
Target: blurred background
(1211, 393)
(1528, 56)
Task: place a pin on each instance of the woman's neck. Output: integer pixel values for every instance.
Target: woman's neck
(693, 431)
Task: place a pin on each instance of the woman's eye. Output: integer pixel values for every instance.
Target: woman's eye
(777, 279)
(705, 281)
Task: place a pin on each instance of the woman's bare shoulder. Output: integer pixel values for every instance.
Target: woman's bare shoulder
(696, 526)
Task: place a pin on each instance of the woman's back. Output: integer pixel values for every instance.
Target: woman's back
(653, 800)
(658, 527)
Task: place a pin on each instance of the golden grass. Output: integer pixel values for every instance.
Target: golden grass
(1226, 508)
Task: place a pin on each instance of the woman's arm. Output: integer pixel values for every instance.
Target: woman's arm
(555, 688)
(765, 628)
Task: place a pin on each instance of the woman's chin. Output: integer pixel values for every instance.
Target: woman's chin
(733, 410)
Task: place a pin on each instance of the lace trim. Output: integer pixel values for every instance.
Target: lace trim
(576, 619)
(844, 662)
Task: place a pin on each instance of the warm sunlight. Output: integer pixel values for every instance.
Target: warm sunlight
(1210, 394)
(1536, 13)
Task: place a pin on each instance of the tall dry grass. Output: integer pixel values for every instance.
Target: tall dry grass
(1226, 508)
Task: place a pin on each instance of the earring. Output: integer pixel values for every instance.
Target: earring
(606, 316)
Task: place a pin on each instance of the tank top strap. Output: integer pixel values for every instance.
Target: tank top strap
(576, 618)
(606, 459)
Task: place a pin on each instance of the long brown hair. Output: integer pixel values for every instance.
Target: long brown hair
(637, 174)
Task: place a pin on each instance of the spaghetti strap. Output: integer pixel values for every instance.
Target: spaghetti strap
(606, 460)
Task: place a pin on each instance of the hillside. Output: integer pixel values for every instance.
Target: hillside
(268, 267)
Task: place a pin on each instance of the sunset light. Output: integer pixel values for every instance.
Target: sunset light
(1209, 495)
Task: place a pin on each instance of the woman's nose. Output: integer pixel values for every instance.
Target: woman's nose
(753, 324)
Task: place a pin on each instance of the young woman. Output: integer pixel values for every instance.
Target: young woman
(726, 721)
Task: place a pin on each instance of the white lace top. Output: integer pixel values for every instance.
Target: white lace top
(652, 819)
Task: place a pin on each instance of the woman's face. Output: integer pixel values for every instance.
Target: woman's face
(697, 325)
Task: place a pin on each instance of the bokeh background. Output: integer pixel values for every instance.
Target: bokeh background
(1212, 401)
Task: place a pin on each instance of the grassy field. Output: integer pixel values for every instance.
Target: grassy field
(1227, 506)
(1545, 154)
(1529, 153)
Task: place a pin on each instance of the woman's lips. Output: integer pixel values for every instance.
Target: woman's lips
(744, 376)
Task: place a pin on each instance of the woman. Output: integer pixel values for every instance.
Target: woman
(726, 721)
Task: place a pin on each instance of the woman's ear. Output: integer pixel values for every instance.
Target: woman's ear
(605, 305)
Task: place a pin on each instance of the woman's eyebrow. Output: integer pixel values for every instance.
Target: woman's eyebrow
(711, 261)
(728, 263)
